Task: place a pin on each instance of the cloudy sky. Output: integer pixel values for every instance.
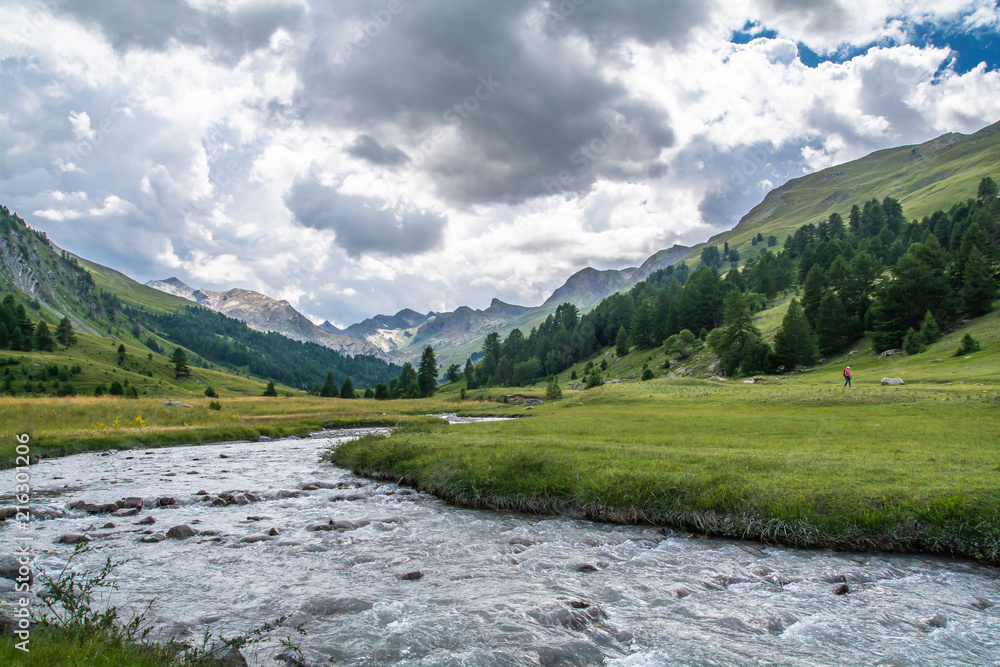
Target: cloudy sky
(361, 156)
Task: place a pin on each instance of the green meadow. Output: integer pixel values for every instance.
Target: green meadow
(796, 459)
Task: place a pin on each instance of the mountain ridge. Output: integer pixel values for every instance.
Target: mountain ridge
(266, 314)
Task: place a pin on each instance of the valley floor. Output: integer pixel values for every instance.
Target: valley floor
(912, 468)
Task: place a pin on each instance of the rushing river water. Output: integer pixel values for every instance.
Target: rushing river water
(493, 588)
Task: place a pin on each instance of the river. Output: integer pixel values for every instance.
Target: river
(404, 579)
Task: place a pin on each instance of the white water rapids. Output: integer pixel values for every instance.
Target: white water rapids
(495, 588)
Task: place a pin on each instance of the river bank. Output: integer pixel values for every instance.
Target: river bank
(869, 470)
(62, 426)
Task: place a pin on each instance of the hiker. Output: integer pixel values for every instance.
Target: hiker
(847, 376)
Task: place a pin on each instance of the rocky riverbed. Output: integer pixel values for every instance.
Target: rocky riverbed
(226, 537)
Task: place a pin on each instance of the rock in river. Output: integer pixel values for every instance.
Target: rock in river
(73, 538)
(181, 532)
(11, 569)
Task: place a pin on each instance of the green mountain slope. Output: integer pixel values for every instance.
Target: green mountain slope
(107, 309)
(924, 178)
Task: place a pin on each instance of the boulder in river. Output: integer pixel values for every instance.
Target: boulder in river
(146, 521)
(573, 614)
(125, 511)
(412, 576)
(133, 501)
(153, 538)
(841, 589)
(585, 567)
(304, 657)
(73, 538)
(327, 606)
(11, 569)
(230, 656)
(252, 539)
(181, 532)
(165, 501)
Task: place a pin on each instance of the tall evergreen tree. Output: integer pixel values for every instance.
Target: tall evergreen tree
(643, 331)
(179, 359)
(812, 292)
(470, 375)
(833, 326)
(988, 188)
(621, 342)
(269, 391)
(918, 284)
(347, 389)
(929, 329)
(43, 338)
(407, 376)
(737, 335)
(329, 388)
(978, 289)
(427, 373)
(795, 342)
(64, 333)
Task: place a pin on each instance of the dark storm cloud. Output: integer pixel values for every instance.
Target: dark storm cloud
(227, 34)
(369, 149)
(362, 224)
(607, 24)
(524, 115)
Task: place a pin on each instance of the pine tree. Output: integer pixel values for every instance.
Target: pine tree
(43, 338)
(735, 338)
(407, 377)
(269, 391)
(64, 333)
(329, 388)
(621, 342)
(381, 392)
(470, 375)
(812, 292)
(978, 288)
(427, 373)
(17, 340)
(795, 342)
(832, 324)
(179, 359)
(988, 188)
(347, 389)
(911, 342)
(121, 354)
(929, 329)
(552, 390)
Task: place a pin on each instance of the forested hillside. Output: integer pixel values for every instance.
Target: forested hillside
(49, 299)
(868, 271)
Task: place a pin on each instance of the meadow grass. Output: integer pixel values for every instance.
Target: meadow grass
(891, 468)
(58, 426)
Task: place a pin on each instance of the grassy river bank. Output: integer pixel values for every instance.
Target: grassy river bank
(913, 468)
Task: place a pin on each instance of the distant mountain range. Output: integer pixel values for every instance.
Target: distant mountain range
(263, 313)
(454, 335)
